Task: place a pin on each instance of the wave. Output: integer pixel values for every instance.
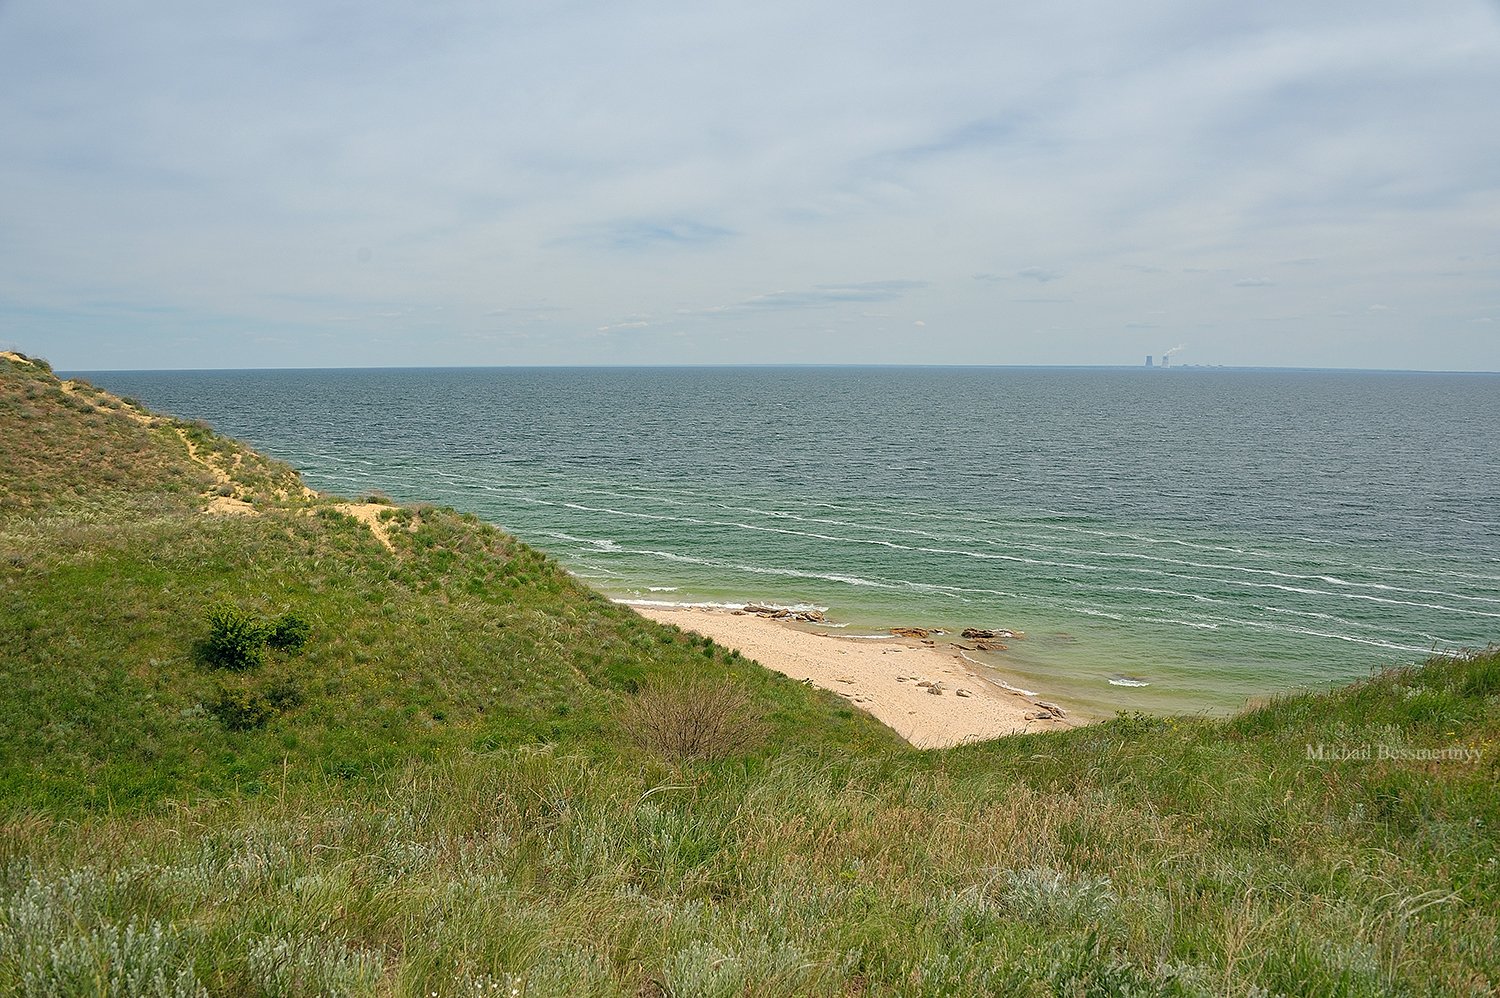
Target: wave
(852, 580)
(1373, 642)
(1330, 579)
(675, 604)
(714, 501)
(1197, 625)
(1107, 561)
(712, 605)
(604, 544)
(987, 676)
(1051, 563)
(1262, 607)
(1127, 681)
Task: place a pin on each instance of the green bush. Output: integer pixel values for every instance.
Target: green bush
(240, 710)
(283, 695)
(246, 708)
(236, 639)
(290, 632)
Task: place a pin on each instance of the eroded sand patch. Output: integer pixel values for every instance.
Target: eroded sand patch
(369, 513)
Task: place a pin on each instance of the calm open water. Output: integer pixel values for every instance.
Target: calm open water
(1214, 535)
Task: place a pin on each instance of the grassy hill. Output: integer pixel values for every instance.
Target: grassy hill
(465, 781)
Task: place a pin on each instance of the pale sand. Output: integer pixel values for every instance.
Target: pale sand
(230, 506)
(875, 675)
(369, 513)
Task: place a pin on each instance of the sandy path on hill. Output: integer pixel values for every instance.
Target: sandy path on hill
(875, 675)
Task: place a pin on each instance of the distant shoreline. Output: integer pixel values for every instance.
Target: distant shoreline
(892, 679)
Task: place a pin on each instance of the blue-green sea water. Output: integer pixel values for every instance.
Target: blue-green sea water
(1167, 540)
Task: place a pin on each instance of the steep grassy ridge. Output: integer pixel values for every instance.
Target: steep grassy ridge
(447, 797)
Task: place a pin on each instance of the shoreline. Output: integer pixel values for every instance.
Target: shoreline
(929, 695)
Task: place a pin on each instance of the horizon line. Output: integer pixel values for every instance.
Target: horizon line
(780, 366)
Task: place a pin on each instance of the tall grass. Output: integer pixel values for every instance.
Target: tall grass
(557, 873)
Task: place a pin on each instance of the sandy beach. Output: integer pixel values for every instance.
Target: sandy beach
(891, 678)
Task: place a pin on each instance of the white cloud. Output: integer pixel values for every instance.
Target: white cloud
(280, 168)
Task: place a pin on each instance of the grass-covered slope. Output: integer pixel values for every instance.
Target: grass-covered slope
(439, 633)
(448, 792)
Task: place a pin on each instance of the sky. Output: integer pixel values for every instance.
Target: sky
(374, 183)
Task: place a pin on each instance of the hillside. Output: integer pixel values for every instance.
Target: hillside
(468, 781)
(430, 630)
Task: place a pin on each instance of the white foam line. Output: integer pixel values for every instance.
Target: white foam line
(1087, 611)
(1199, 598)
(1353, 596)
(675, 604)
(994, 679)
(1144, 539)
(1338, 637)
(1083, 566)
(717, 502)
(1301, 590)
(852, 580)
(1200, 625)
(710, 605)
(1439, 574)
(1316, 577)
(603, 545)
(607, 545)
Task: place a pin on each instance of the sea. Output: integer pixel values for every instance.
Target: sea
(1184, 541)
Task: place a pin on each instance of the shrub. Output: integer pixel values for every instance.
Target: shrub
(283, 695)
(240, 710)
(245, 709)
(34, 361)
(695, 718)
(236, 640)
(290, 632)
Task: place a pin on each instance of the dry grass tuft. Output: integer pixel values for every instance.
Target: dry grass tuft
(697, 718)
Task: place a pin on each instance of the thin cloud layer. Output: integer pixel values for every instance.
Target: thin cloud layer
(456, 183)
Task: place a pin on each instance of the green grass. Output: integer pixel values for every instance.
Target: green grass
(454, 802)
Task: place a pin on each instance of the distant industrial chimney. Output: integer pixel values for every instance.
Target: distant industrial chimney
(1166, 360)
(1148, 360)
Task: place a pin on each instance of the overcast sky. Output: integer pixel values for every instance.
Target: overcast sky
(307, 184)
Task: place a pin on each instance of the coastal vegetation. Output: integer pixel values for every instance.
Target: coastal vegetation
(259, 741)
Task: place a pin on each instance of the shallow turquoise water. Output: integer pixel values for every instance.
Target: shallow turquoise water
(1214, 535)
